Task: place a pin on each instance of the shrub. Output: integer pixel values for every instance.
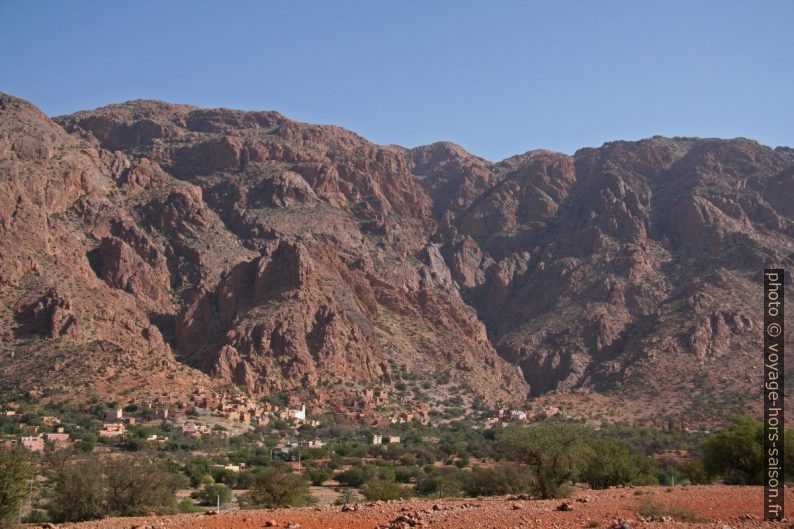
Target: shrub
(211, 494)
(440, 483)
(15, 472)
(381, 489)
(188, 506)
(386, 473)
(278, 487)
(496, 481)
(38, 516)
(656, 512)
(197, 469)
(552, 451)
(736, 453)
(318, 475)
(246, 478)
(695, 472)
(80, 492)
(608, 463)
(404, 474)
(670, 475)
(346, 496)
(138, 486)
(87, 442)
(87, 489)
(356, 476)
(227, 477)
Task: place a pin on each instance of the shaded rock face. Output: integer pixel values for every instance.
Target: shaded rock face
(244, 247)
(51, 317)
(633, 264)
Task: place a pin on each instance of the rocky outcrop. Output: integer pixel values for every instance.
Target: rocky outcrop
(123, 268)
(711, 336)
(51, 316)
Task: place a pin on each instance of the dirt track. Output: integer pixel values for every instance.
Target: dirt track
(721, 505)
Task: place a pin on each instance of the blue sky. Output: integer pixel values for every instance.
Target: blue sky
(498, 78)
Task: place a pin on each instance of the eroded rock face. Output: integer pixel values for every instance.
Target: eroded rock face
(277, 255)
(268, 253)
(635, 261)
(123, 268)
(51, 317)
(71, 331)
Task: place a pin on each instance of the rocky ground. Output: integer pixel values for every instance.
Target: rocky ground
(718, 506)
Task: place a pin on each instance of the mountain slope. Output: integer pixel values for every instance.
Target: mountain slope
(634, 267)
(264, 253)
(245, 248)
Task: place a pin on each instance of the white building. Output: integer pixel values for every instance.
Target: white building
(299, 415)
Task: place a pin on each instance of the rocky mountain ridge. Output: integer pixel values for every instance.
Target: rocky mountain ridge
(150, 245)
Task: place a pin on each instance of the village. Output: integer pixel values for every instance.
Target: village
(209, 412)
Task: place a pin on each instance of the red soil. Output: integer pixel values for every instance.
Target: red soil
(720, 505)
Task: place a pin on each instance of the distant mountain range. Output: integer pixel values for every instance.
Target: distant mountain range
(151, 247)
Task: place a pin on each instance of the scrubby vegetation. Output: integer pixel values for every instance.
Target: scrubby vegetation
(278, 487)
(658, 512)
(736, 453)
(95, 478)
(89, 488)
(15, 473)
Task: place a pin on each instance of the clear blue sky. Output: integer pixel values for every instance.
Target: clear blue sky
(499, 77)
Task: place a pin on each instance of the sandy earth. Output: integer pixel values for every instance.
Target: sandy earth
(721, 505)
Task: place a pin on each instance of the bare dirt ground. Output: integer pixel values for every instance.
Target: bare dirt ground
(719, 505)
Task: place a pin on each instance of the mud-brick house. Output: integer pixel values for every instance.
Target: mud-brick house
(59, 440)
(114, 414)
(110, 430)
(8, 445)
(33, 443)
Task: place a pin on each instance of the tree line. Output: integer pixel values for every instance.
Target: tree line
(544, 459)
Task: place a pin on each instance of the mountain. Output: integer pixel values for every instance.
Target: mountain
(148, 247)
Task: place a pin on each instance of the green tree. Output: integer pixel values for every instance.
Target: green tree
(87, 442)
(318, 475)
(553, 452)
(138, 486)
(607, 463)
(441, 483)
(695, 472)
(404, 474)
(381, 489)
(356, 476)
(197, 469)
(16, 471)
(736, 453)
(80, 492)
(278, 487)
(88, 489)
(505, 479)
(212, 493)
